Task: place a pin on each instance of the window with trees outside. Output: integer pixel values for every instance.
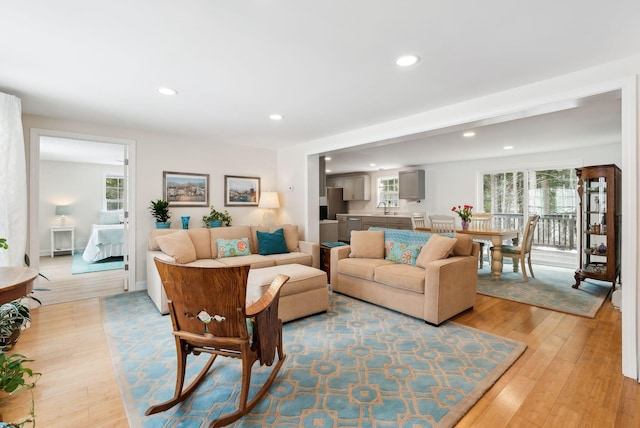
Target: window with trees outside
(515, 195)
(388, 191)
(113, 192)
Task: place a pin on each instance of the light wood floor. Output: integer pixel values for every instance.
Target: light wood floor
(569, 376)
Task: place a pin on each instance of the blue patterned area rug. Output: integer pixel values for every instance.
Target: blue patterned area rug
(550, 289)
(357, 365)
(79, 266)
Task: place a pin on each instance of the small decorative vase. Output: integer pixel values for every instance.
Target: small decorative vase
(163, 225)
(465, 225)
(185, 222)
(216, 223)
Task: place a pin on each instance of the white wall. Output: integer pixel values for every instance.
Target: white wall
(71, 183)
(160, 152)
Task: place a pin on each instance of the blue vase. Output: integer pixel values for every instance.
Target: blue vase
(185, 222)
(163, 225)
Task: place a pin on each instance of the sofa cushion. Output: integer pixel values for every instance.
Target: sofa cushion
(367, 244)
(290, 236)
(437, 247)
(254, 260)
(233, 247)
(178, 245)
(272, 243)
(361, 268)
(201, 241)
(290, 258)
(254, 237)
(401, 276)
(400, 252)
(464, 245)
(153, 237)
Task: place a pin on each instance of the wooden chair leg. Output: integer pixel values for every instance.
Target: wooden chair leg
(524, 269)
(531, 267)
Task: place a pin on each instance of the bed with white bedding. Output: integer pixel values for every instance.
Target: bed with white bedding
(107, 240)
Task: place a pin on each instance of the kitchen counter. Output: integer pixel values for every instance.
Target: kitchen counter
(363, 221)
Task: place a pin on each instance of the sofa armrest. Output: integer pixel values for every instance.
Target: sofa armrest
(338, 253)
(449, 287)
(154, 284)
(312, 248)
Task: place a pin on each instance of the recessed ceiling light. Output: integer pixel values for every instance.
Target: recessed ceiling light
(276, 117)
(407, 60)
(469, 134)
(327, 158)
(508, 147)
(372, 164)
(167, 91)
(327, 170)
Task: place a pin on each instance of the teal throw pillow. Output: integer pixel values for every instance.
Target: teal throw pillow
(403, 253)
(233, 247)
(272, 243)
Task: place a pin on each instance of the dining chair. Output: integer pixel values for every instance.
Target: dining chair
(482, 221)
(442, 223)
(418, 220)
(209, 314)
(524, 250)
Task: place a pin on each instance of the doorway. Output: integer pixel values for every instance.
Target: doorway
(76, 171)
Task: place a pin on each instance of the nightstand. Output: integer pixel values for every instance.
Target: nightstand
(62, 229)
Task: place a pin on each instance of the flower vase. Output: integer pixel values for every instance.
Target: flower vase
(465, 225)
(185, 222)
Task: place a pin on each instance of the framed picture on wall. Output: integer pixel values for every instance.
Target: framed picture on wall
(183, 189)
(241, 191)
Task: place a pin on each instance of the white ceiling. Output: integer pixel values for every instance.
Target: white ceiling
(327, 66)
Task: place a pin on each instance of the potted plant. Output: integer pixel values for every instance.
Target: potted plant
(15, 376)
(15, 317)
(216, 218)
(160, 211)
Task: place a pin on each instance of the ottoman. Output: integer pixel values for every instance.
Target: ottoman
(306, 292)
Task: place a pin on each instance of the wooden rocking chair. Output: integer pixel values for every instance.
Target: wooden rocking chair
(209, 314)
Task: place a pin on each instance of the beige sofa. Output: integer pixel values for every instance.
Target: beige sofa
(199, 247)
(432, 281)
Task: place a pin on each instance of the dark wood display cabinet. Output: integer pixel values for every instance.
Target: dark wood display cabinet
(600, 221)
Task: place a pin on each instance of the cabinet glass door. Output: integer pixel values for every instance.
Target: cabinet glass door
(594, 217)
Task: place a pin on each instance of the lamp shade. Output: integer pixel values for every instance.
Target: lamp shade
(269, 200)
(63, 209)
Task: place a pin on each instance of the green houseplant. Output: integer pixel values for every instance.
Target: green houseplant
(160, 211)
(15, 317)
(16, 376)
(216, 218)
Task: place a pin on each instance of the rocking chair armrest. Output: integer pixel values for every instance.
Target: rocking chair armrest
(267, 298)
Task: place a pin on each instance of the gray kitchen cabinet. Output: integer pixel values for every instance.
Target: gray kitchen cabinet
(411, 184)
(357, 188)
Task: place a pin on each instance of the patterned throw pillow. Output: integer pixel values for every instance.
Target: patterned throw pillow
(233, 247)
(403, 253)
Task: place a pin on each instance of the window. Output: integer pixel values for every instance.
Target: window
(388, 191)
(513, 196)
(113, 192)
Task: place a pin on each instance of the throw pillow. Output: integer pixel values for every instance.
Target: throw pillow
(108, 217)
(367, 244)
(272, 243)
(233, 247)
(437, 247)
(464, 245)
(179, 246)
(403, 253)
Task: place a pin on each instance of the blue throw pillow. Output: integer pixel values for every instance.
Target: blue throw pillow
(272, 243)
(403, 253)
(233, 247)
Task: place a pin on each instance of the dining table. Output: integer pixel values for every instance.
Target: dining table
(496, 236)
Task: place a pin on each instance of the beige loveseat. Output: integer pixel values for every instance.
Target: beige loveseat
(427, 276)
(199, 247)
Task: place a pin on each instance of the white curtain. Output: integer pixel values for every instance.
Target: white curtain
(13, 182)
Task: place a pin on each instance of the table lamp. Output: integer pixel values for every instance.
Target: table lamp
(63, 211)
(269, 201)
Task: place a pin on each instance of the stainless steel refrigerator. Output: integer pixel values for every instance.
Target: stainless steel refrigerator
(334, 203)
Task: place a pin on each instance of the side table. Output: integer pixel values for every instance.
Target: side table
(62, 229)
(325, 260)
